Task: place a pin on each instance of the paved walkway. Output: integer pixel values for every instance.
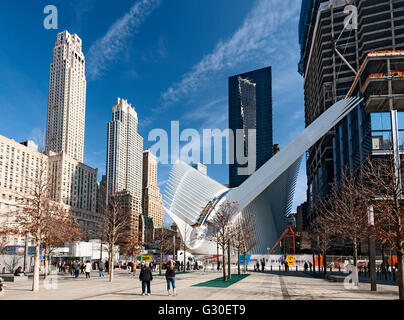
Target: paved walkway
(258, 286)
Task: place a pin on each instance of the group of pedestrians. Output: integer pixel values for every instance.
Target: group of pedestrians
(257, 265)
(146, 277)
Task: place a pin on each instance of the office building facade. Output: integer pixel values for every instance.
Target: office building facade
(124, 151)
(152, 200)
(250, 108)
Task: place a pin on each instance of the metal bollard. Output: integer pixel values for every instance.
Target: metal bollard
(271, 267)
(296, 268)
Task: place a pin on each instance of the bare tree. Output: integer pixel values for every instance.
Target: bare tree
(346, 211)
(60, 227)
(132, 245)
(185, 232)
(222, 223)
(162, 241)
(244, 238)
(115, 228)
(322, 229)
(33, 211)
(383, 178)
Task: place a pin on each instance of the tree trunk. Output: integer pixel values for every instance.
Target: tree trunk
(355, 260)
(35, 281)
(217, 251)
(228, 260)
(161, 261)
(245, 263)
(400, 276)
(111, 264)
(325, 262)
(45, 273)
(238, 262)
(185, 259)
(314, 263)
(224, 262)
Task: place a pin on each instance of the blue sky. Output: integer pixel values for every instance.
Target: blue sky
(169, 59)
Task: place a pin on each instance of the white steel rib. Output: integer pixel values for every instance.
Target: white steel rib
(267, 193)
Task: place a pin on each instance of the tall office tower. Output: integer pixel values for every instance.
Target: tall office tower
(67, 97)
(124, 151)
(152, 200)
(338, 62)
(250, 107)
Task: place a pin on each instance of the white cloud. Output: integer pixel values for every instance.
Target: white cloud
(261, 34)
(106, 49)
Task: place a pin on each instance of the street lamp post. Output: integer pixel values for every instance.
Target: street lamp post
(174, 249)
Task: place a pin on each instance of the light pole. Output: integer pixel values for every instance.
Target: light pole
(174, 249)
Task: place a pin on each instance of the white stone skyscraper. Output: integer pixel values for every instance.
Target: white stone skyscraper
(67, 97)
(124, 151)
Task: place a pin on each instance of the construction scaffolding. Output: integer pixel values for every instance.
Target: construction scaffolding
(332, 55)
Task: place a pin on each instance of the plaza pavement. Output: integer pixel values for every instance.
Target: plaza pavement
(257, 286)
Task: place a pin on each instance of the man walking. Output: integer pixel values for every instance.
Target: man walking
(101, 267)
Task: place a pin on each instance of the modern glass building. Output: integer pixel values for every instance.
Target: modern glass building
(250, 107)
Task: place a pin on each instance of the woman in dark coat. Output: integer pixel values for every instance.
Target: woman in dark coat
(146, 277)
(170, 277)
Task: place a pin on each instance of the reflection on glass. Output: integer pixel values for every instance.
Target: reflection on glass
(400, 120)
(401, 140)
(381, 121)
(382, 140)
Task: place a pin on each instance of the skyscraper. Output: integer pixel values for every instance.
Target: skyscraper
(67, 97)
(250, 107)
(152, 200)
(124, 151)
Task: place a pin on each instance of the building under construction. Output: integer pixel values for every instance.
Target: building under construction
(350, 48)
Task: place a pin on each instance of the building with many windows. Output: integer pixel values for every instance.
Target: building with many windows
(75, 185)
(72, 183)
(250, 108)
(124, 151)
(339, 60)
(67, 97)
(152, 200)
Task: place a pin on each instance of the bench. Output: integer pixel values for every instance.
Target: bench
(12, 278)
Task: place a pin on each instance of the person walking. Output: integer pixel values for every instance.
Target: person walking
(76, 269)
(170, 277)
(305, 266)
(101, 267)
(88, 269)
(146, 277)
(82, 267)
(134, 268)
